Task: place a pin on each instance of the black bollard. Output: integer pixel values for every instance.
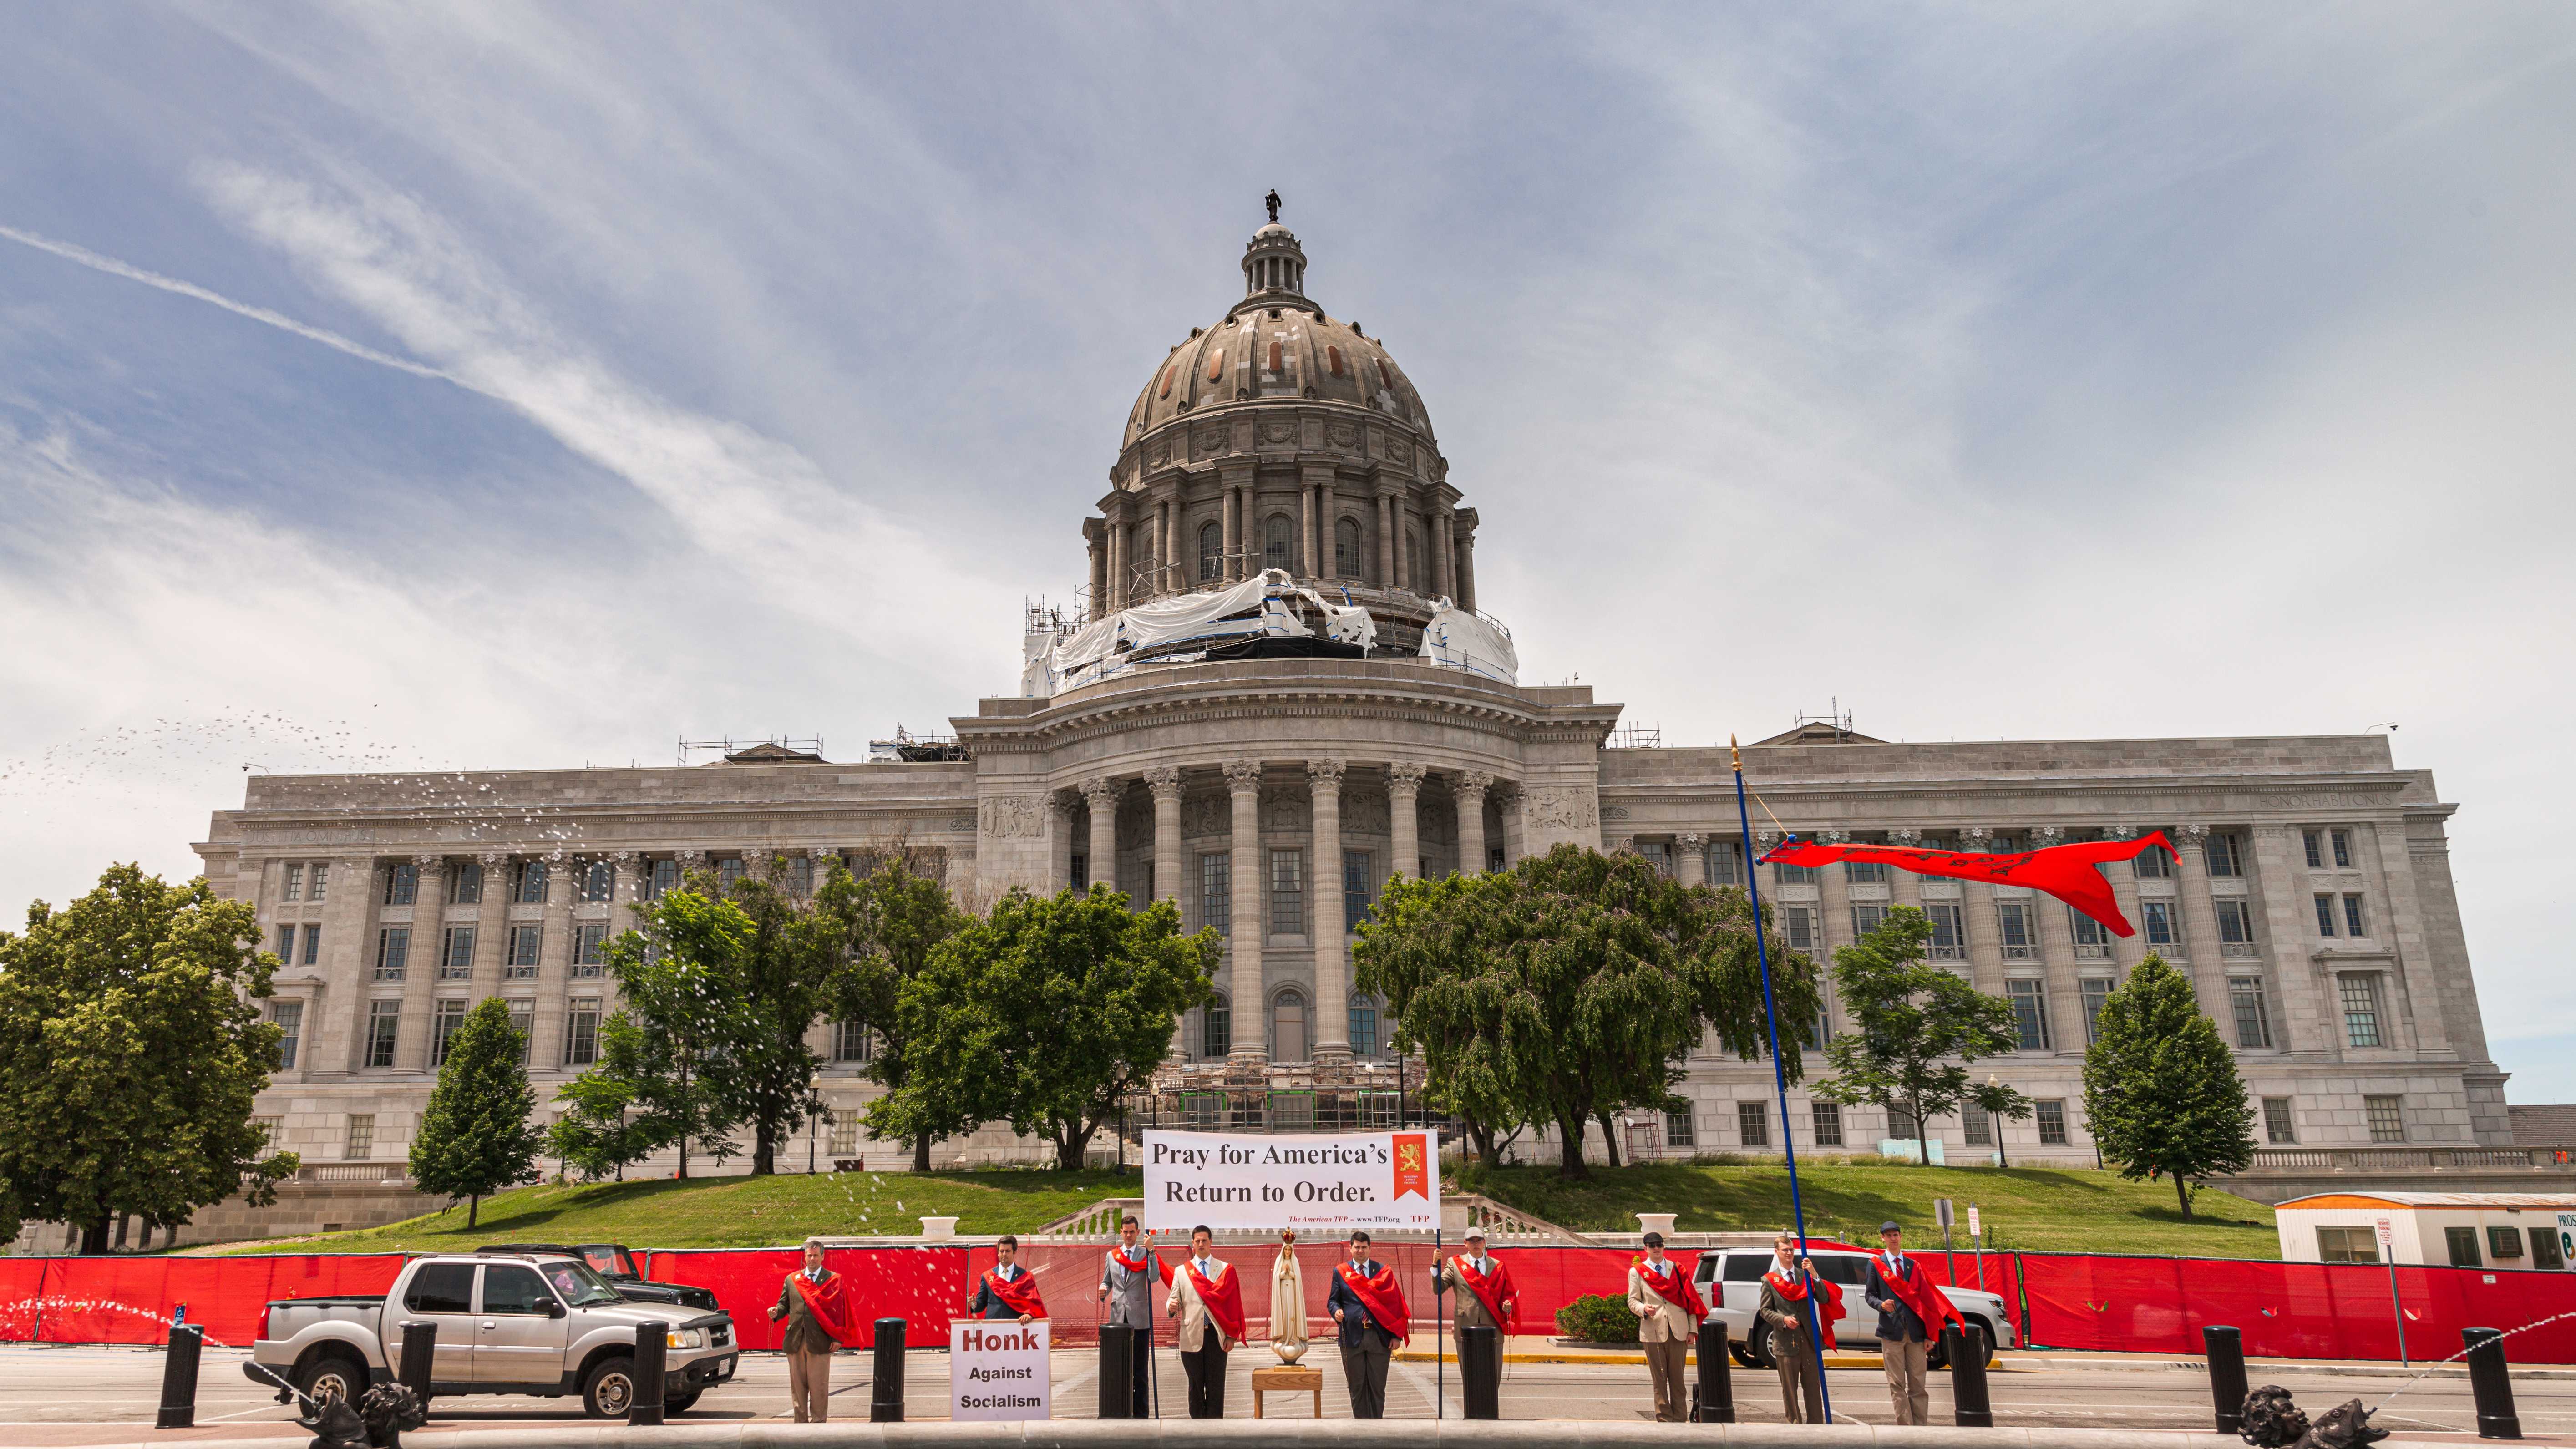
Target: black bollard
(885, 1397)
(1117, 1389)
(652, 1360)
(2226, 1349)
(1716, 1386)
(1969, 1406)
(2490, 1385)
(179, 1378)
(419, 1357)
(1480, 1370)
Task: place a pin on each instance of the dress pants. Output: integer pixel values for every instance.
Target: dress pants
(1365, 1368)
(1907, 1393)
(1802, 1398)
(1664, 1364)
(809, 1385)
(1205, 1367)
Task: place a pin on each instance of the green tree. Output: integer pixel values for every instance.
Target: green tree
(778, 973)
(131, 1050)
(1572, 985)
(1915, 1027)
(890, 922)
(475, 1137)
(1047, 1014)
(2004, 1104)
(676, 971)
(2160, 1087)
(598, 1133)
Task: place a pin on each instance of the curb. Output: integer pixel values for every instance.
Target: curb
(2256, 1368)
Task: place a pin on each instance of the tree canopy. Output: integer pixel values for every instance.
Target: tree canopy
(1572, 985)
(600, 1131)
(131, 1049)
(2161, 1093)
(890, 921)
(475, 1137)
(678, 973)
(1915, 1026)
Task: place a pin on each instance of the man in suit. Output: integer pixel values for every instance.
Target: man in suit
(1668, 1312)
(1126, 1288)
(1007, 1290)
(1207, 1297)
(1792, 1294)
(809, 1340)
(1904, 1341)
(1371, 1313)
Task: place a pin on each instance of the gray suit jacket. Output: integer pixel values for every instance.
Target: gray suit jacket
(1131, 1293)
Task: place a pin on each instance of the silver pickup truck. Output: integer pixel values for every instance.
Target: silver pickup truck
(508, 1323)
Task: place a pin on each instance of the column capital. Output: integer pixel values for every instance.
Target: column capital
(1764, 841)
(1325, 775)
(1474, 782)
(1164, 781)
(1242, 775)
(491, 858)
(1691, 840)
(626, 858)
(1405, 775)
(1834, 837)
(1101, 791)
(429, 862)
(1905, 837)
(689, 859)
(1975, 837)
(2044, 836)
(1063, 801)
(2191, 833)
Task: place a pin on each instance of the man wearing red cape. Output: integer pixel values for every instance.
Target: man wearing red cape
(1207, 1297)
(1669, 1312)
(1370, 1308)
(1785, 1292)
(1007, 1290)
(2072, 873)
(815, 1301)
(1910, 1314)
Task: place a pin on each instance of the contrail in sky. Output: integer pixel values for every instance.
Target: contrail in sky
(279, 320)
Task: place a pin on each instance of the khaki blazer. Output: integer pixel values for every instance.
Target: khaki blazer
(1466, 1310)
(1194, 1319)
(1659, 1320)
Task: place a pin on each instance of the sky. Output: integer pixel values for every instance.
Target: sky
(449, 386)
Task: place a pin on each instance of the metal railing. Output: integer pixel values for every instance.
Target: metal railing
(2427, 1159)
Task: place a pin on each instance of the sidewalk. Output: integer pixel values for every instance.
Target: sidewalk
(1540, 1348)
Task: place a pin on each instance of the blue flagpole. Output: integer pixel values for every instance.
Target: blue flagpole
(1779, 1072)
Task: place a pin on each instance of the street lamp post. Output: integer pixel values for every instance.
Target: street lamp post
(813, 1125)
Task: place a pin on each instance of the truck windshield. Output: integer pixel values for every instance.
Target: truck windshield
(579, 1286)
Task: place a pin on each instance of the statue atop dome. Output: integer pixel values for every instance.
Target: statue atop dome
(1272, 201)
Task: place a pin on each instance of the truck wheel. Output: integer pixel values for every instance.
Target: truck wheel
(1937, 1357)
(610, 1389)
(333, 1372)
(1757, 1345)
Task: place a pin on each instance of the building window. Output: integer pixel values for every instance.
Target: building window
(2253, 1021)
(294, 888)
(393, 952)
(1798, 923)
(456, 963)
(1346, 549)
(272, 1130)
(852, 1042)
(664, 875)
(1821, 1030)
(1901, 1125)
(2052, 1122)
(1287, 892)
(465, 884)
(1680, 1130)
(321, 879)
(449, 1016)
(525, 943)
(384, 1023)
(533, 881)
(2316, 851)
(1288, 1038)
(1949, 931)
(359, 1143)
(581, 1032)
(1216, 1029)
(289, 1019)
(2359, 993)
(1976, 1128)
(1276, 552)
(402, 885)
(2280, 1127)
(1081, 871)
(2236, 928)
(1211, 552)
(598, 882)
(1363, 1028)
(800, 876)
(286, 945)
(2155, 863)
(1216, 892)
(1866, 919)
(2544, 1250)
(2030, 1012)
(2504, 1243)
(2463, 1243)
(2226, 854)
(2352, 925)
(2347, 1245)
(1828, 1119)
(2326, 914)
(1724, 864)
(2012, 918)
(589, 948)
(312, 944)
(2096, 991)
(2163, 930)
(1355, 888)
(1865, 872)
(729, 871)
(1753, 1123)
(2092, 938)
(523, 1021)
(2387, 1118)
(1784, 873)
(2342, 856)
(1658, 854)
(844, 1141)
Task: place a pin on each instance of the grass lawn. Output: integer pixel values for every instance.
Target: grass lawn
(2029, 1208)
(740, 1212)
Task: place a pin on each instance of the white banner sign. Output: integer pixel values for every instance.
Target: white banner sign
(997, 1369)
(1373, 1180)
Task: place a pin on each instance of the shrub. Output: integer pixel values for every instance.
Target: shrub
(1598, 1318)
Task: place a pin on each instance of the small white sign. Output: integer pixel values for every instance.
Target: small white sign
(997, 1369)
(2387, 1232)
(1974, 1231)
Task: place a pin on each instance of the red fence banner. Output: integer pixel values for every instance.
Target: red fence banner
(923, 1286)
(135, 1300)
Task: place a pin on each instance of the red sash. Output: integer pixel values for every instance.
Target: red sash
(1383, 1298)
(1930, 1304)
(1492, 1290)
(1223, 1299)
(1020, 1294)
(1829, 1303)
(829, 1302)
(1673, 1285)
(1137, 1265)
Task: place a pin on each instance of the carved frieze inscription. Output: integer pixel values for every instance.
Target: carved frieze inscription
(1015, 817)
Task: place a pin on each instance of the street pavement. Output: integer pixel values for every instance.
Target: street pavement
(72, 1396)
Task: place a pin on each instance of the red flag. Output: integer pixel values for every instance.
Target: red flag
(1020, 1293)
(1383, 1298)
(1223, 1299)
(830, 1304)
(1829, 1303)
(1674, 1284)
(1492, 1289)
(2068, 872)
(1930, 1304)
(1412, 1165)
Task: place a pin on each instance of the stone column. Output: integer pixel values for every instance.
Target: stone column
(1102, 794)
(2126, 951)
(1515, 804)
(420, 964)
(554, 965)
(1165, 782)
(1247, 537)
(1115, 544)
(1061, 840)
(1230, 523)
(1470, 789)
(1243, 783)
(1332, 974)
(625, 892)
(491, 921)
(2057, 951)
(1691, 866)
(1167, 546)
(2200, 926)
(1099, 575)
(1904, 887)
(1385, 542)
(1440, 557)
(1404, 818)
(1977, 910)
(1833, 900)
(1467, 570)
(1310, 567)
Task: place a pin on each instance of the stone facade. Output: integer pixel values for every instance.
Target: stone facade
(1271, 798)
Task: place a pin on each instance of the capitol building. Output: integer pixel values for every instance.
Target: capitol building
(1283, 686)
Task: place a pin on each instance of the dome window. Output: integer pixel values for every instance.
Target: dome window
(1216, 363)
(1276, 362)
(1167, 380)
(1274, 541)
(1333, 358)
(1211, 546)
(1385, 375)
(1346, 549)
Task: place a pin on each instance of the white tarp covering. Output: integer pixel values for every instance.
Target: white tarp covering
(1344, 623)
(1470, 641)
(1084, 654)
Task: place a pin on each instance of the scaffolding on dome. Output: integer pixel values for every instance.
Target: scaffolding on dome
(1182, 628)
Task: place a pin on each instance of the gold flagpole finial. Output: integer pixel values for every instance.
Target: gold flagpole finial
(1735, 753)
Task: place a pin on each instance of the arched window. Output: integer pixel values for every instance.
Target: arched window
(1211, 549)
(1346, 549)
(1333, 359)
(1216, 1029)
(1288, 1026)
(1364, 1040)
(1216, 362)
(1276, 360)
(1274, 541)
